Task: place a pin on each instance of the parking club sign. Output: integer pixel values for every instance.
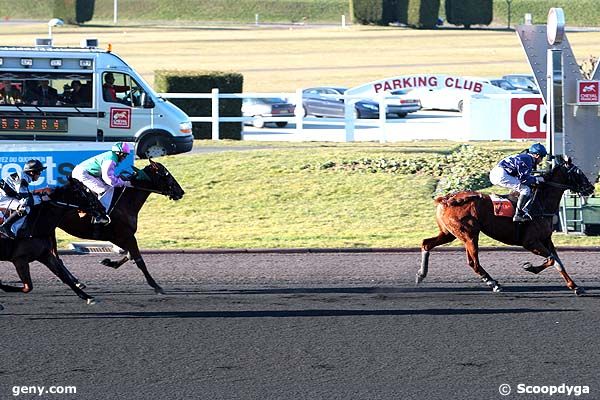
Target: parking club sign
(588, 92)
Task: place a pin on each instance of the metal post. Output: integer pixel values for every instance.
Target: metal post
(215, 113)
(382, 118)
(115, 11)
(299, 111)
(349, 118)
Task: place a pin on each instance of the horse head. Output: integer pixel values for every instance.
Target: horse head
(568, 174)
(155, 176)
(76, 194)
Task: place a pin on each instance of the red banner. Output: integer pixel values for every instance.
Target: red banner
(527, 118)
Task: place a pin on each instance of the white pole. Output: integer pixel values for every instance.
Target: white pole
(49, 31)
(215, 114)
(256, 19)
(298, 111)
(343, 21)
(115, 11)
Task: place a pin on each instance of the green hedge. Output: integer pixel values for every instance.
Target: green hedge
(73, 11)
(469, 12)
(204, 82)
(423, 13)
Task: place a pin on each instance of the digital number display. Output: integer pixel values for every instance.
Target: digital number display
(33, 124)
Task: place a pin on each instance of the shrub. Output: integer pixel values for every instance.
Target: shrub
(73, 11)
(204, 82)
(469, 12)
(423, 13)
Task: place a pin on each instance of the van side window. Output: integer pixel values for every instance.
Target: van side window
(121, 88)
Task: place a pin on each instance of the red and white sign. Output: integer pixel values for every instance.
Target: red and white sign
(588, 92)
(527, 118)
(120, 118)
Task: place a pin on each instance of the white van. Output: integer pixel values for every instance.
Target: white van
(85, 94)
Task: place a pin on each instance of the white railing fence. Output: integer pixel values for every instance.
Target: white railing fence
(299, 118)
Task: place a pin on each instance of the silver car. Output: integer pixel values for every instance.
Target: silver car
(261, 108)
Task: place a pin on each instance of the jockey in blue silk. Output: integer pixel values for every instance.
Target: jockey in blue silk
(514, 172)
(15, 196)
(98, 174)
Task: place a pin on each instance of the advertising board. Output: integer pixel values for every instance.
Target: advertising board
(59, 157)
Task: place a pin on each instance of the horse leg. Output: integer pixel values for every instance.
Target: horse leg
(58, 268)
(472, 248)
(115, 264)
(130, 244)
(426, 246)
(22, 268)
(549, 251)
(72, 277)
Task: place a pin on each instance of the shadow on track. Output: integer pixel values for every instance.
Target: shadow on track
(292, 313)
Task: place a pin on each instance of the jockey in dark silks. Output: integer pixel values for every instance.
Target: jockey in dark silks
(514, 172)
(15, 196)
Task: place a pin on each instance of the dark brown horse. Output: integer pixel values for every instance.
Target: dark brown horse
(38, 241)
(464, 215)
(127, 203)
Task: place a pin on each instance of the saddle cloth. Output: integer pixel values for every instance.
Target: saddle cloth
(503, 207)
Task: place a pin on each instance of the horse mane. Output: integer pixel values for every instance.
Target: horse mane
(458, 199)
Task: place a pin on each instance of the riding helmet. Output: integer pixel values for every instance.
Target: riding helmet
(34, 166)
(538, 148)
(121, 147)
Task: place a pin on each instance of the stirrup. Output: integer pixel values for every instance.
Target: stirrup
(101, 220)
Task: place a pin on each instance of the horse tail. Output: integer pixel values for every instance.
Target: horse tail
(457, 199)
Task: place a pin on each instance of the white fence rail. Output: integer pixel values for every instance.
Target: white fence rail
(299, 119)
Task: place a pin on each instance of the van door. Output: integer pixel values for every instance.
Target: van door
(122, 100)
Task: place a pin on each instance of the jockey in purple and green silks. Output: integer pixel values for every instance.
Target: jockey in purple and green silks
(514, 172)
(98, 174)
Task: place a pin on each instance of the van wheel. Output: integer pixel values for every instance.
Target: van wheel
(281, 124)
(460, 106)
(153, 147)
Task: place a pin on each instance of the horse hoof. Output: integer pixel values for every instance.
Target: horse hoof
(1, 307)
(159, 290)
(80, 285)
(579, 291)
(496, 289)
(91, 301)
(419, 278)
(106, 262)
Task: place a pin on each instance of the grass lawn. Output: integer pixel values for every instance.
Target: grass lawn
(281, 197)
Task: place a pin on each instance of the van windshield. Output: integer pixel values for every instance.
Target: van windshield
(46, 89)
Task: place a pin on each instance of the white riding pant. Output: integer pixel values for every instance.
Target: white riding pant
(10, 203)
(96, 185)
(499, 177)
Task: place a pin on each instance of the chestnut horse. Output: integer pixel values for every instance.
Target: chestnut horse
(39, 243)
(464, 215)
(127, 203)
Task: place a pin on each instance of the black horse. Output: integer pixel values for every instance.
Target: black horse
(127, 203)
(37, 240)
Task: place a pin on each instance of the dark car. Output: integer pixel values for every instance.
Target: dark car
(329, 102)
(261, 108)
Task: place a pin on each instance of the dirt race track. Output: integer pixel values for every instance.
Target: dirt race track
(304, 326)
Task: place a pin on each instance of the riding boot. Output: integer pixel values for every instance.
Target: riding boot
(522, 212)
(8, 223)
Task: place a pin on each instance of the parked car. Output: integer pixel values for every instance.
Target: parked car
(402, 103)
(261, 108)
(328, 101)
(441, 99)
(506, 85)
(523, 82)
